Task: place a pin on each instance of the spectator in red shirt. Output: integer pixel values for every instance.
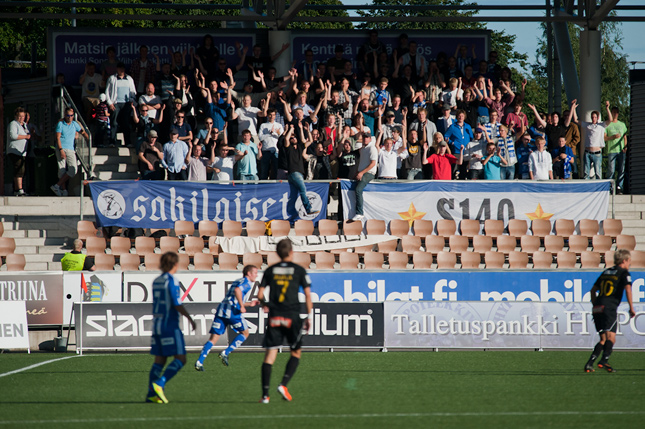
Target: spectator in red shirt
(441, 161)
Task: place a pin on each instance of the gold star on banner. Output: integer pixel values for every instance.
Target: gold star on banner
(412, 214)
(539, 214)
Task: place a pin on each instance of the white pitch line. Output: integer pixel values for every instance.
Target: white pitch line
(323, 416)
(36, 365)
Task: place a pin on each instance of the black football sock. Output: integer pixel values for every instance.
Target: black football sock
(596, 352)
(266, 378)
(606, 351)
(292, 365)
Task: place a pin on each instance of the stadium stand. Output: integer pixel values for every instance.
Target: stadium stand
(375, 227)
(207, 228)
(494, 260)
(564, 227)
(184, 228)
(588, 227)
(227, 261)
(15, 262)
(542, 260)
(399, 227)
(301, 258)
(470, 260)
(348, 261)
(566, 259)
(255, 228)
(203, 261)
(422, 260)
(398, 260)
(422, 227)
(231, 228)
(95, 245)
(104, 262)
(280, 228)
(129, 262)
(303, 228)
(373, 260)
(590, 259)
(446, 260)
(120, 245)
(518, 260)
(327, 227)
(144, 245)
(324, 261)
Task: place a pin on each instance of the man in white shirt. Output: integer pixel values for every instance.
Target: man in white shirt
(540, 162)
(594, 140)
(269, 134)
(387, 160)
(247, 118)
(151, 100)
(366, 172)
(120, 92)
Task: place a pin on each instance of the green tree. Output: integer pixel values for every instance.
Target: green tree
(316, 25)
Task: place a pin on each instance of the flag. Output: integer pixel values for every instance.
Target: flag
(83, 284)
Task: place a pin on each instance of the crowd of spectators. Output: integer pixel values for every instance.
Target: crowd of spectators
(395, 115)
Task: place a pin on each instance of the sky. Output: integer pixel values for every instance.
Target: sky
(528, 32)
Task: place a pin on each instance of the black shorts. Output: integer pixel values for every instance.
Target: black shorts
(281, 328)
(605, 318)
(18, 163)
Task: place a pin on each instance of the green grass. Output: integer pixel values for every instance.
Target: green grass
(341, 389)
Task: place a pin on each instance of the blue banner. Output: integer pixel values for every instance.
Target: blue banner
(158, 204)
(558, 286)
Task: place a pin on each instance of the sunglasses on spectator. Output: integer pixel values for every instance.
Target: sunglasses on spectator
(70, 116)
(209, 123)
(180, 116)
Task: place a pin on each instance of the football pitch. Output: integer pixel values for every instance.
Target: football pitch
(476, 389)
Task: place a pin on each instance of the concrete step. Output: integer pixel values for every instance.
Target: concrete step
(52, 250)
(54, 266)
(41, 241)
(124, 167)
(633, 223)
(53, 257)
(628, 207)
(628, 215)
(112, 151)
(39, 206)
(113, 159)
(15, 234)
(112, 175)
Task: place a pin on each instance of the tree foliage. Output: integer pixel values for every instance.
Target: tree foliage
(328, 25)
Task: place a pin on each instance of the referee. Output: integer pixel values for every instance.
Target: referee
(284, 280)
(606, 295)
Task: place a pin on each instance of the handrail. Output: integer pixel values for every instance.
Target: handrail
(83, 151)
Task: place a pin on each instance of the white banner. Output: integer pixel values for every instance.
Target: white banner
(102, 287)
(482, 200)
(14, 333)
(195, 286)
(507, 325)
(312, 243)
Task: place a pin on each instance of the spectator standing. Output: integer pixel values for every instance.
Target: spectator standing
(150, 158)
(247, 117)
(120, 92)
(594, 141)
(506, 144)
(91, 84)
(174, 156)
(442, 161)
(197, 165)
(150, 99)
(101, 117)
(17, 147)
(247, 168)
(540, 162)
(562, 160)
(493, 162)
(523, 151)
(66, 131)
(224, 163)
(142, 70)
(366, 172)
(459, 134)
(423, 126)
(615, 136)
(109, 66)
(269, 134)
(473, 155)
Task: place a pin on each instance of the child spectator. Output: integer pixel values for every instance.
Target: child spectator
(492, 163)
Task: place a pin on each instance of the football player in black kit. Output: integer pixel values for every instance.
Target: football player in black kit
(284, 280)
(606, 295)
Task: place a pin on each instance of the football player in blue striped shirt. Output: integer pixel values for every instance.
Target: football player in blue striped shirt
(167, 338)
(230, 313)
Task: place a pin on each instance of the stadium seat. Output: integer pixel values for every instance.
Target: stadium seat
(609, 258)
(493, 227)
(446, 260)
(398, 260)
(161, 232)
(152, 261)
(638, 259)
(553, 243)
(272, 259)
(422, 260)
(612, 227)
(184, 228)
(469, 227)
(387, 246)
(120, 245)
(625, 242)
(458, 243)
(184, 262)
(435, 244)
(207, 228)
(327, 227)
(410, 244)
(518, 260)
(601, 243)
(86, 228)
(203, 261)
(352, 228)
(193, 245)
(104, 262)
(506, 243)
(129, 261)
(494, 260)
(255, 228)
(348, 261)
(373, 260)
(375, 227)
(566, 259)
(303, 259)
(213, 247)
(227, 261)
(541, 227)
(578, 243)
(280, 228)
(168, 244)
(144, 245)
(517, 227)
(589, 259)
(565, 227)
(324, 261)
(251, 259)
(470, 260)
(588, 227)
(542, 260)
(446, 227)
(399, 227)
(422, 227)
(95, 245)
(7, 246)
(530, 243)
(16, 262)
(303, 228)
(482, 243)
(231, 228)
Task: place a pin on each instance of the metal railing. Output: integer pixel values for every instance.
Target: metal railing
(83, 146)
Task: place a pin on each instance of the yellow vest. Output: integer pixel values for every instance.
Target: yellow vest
(73, 262)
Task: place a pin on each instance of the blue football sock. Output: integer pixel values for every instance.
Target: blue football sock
(237, 341)
(155, 373)
(207, 348)
(172, 370)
